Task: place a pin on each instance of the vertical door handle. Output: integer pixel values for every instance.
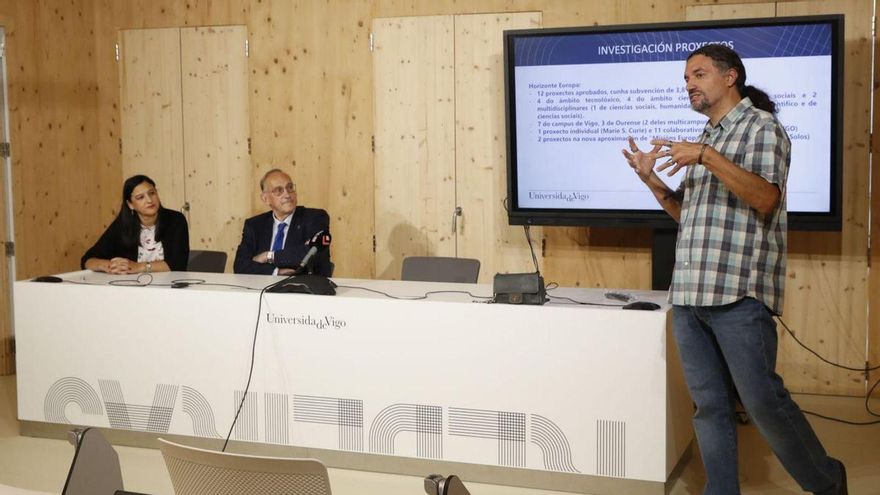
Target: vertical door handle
(455, 215)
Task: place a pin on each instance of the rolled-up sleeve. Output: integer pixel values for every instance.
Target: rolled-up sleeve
(768, 153)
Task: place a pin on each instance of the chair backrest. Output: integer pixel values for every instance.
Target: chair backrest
(206, 261)
(95, 467)
(454, 486)
(201, 472)
(440, 269)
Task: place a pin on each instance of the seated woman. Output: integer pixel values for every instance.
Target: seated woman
(144, 237)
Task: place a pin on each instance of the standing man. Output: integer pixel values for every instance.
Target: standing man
(275, 242)
(730, 271)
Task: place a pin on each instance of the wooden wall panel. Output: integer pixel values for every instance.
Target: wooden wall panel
(216, 129)
(414, 115)
(312, 112)
(606, 257)
(53, 131)
(555, 13)
(312, 108)
(826, 289)
(480, 147)
(578, 256)
(827, 296)
(571, 256)
(151, 110)
(10, 16)
(122, 14)
(734, 11)
(110, 17)
(51, 73)
(874, 261)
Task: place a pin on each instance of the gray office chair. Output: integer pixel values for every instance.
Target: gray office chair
(201, 472)
(206, 261)
(95, 467)
(440, 269)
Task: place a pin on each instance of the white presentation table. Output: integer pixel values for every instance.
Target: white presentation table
(560, 396)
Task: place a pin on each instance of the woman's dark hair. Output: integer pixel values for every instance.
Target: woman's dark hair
(725, 58)
(129, 222)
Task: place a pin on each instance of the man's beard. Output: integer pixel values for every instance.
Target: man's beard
(700, 104)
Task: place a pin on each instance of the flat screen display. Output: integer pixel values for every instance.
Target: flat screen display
(575, 95)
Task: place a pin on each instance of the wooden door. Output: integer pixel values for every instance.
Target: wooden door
(440, 142)
(414, 111)
(219, 186)
(185, 123)
(7, 347)
(151, 110)
(480, 146)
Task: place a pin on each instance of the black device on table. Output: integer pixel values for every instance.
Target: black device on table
(643, 305)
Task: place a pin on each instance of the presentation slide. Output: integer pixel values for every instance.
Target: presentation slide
(578, 98)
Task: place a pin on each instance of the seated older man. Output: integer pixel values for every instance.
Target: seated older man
(275, 242)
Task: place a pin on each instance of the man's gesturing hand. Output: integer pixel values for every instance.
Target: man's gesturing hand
(642, 162)
(680, 153)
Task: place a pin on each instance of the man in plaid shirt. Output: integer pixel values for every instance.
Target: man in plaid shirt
(729, 275)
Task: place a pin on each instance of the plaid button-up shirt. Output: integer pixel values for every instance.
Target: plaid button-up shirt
(726, 250)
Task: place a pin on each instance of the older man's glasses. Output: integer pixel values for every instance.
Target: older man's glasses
(280, 190)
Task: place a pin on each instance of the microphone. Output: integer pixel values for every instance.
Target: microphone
(311, 284)
(319, 242)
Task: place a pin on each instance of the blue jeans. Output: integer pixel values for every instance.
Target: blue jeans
(734, 345)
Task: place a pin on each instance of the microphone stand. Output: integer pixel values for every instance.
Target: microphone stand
(318, 243)
(296, 273)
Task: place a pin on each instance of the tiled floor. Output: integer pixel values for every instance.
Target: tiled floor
(41, 464)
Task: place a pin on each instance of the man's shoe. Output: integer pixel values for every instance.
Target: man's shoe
(843, 490)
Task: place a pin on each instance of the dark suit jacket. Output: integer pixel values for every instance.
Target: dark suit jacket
(256, 237)
(174, 237)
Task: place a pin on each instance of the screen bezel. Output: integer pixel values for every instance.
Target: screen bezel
(658, 219)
